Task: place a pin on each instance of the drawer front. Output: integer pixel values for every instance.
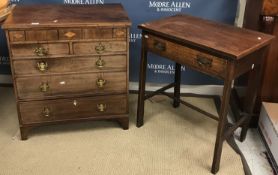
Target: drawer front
(41, 35)
(16, 36)
(42, 87)
(69, 65)
(99, 47)
(197, 60)
(119, 33)
(73, 108)
(98, 33)
(69, 34)
(39, 50)
(104, 33)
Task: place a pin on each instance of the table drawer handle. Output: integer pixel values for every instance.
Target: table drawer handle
(101, 107)
(42, 66)
(100, 48)
(101, 83)
(44, 87)
(40, 51)
(159, 45)
(100, 63)
(46, 112)
(203, 61)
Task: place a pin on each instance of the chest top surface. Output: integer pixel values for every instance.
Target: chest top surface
(227, 40)
(37, 16)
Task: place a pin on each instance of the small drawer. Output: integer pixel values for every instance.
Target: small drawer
(119, 33)
(48, 86)
(69, 34)
(16, 36)
(39, 50)
(195, 59)
(41, 35)
(70, 65)
(97, 33)
(99, 47)
(72, 108)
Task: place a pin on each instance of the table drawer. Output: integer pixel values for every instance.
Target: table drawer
(197, 60)
(99, 47)
(72, 108)
(47, 86)
(67, 65)
(39, 50)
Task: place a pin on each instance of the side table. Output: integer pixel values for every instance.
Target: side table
(219, 50)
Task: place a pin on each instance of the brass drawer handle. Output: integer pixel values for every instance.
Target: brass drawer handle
(159, 46)
(101, 107)
(46, 112)
(101, 82)
(42, 66)
(100, 63)
(44, 87)
(100, 48)
(203, 61)
(40, 51)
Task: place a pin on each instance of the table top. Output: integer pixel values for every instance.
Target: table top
(226, 40)
(31, 16)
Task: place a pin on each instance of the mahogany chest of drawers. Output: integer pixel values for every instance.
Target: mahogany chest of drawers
(69, 63)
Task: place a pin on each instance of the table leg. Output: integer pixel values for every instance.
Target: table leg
(142, 83)
(221, 125)
(177, 85)
(252, 91)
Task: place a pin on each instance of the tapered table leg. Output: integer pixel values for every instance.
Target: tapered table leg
(221, 125)
(254, 81)
(142, 83)
(177, 85)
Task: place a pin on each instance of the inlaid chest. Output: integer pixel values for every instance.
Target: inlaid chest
(69, 63)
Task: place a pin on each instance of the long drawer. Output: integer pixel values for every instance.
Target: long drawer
(40, 87)
(68, 65)
(72, 108)
(195, 59)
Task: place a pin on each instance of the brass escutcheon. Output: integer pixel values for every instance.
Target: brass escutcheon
(42, 66)
(46, 112)
(101, 107)
(44, 87)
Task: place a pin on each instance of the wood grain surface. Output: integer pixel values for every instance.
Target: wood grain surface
(70, 85)
(270, 7)
(56, 66)
(72, 108)
(67, 16)
(226, 40)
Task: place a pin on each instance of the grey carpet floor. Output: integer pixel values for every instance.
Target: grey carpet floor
(172, 142)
